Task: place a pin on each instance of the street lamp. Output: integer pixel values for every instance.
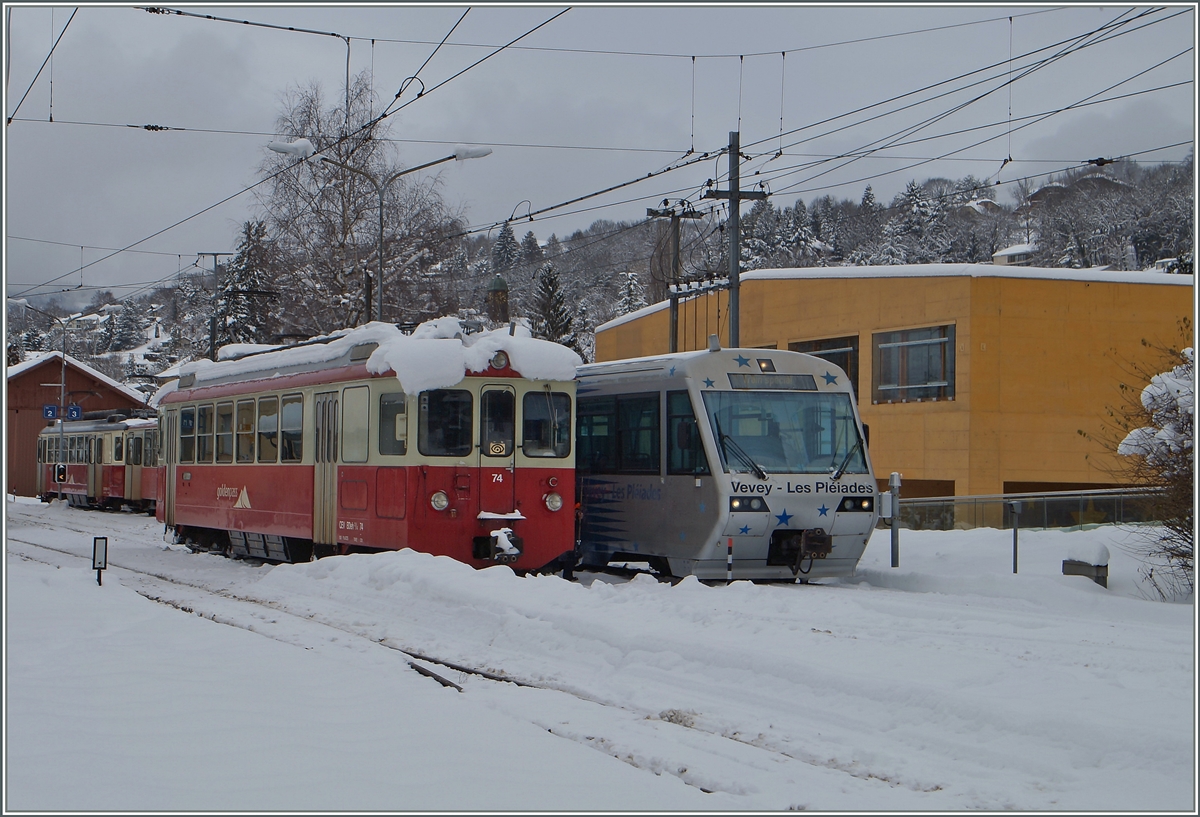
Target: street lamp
(62, 384)
(304, 149)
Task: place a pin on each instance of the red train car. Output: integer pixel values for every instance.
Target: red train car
(370, 439)
(107, 460)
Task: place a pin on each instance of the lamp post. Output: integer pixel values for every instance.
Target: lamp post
(62, 383)
(304, 149)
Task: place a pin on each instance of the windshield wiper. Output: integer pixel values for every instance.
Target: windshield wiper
(737, 449)
(841, 469)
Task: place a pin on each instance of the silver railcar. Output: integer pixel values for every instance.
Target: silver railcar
(683, 459)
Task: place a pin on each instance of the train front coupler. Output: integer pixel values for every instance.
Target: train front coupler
(501, 546)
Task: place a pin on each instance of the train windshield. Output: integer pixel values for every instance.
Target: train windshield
(785, 432)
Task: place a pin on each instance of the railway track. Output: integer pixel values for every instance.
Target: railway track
(274, 620)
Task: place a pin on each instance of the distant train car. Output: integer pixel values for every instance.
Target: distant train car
(107, 460)
(369, 439)
(686, 459)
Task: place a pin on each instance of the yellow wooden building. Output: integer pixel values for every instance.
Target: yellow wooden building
(974, 379)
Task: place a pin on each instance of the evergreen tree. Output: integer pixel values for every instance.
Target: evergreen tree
(632, 293)
(506, 252)
(128, 332)
(243, 307)
(868, 203)
(550, 316)
(531, 252)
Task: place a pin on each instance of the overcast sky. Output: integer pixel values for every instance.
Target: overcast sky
(593, 98)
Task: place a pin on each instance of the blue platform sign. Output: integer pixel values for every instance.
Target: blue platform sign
(49, 411)
(74, 412)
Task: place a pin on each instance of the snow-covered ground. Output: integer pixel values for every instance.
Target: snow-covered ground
(946, 684)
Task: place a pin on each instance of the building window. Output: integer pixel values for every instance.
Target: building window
(841, 352)
(913, 365)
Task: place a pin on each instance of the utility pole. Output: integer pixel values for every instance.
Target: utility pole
(212, 322)
(735, 196)
(675, 263)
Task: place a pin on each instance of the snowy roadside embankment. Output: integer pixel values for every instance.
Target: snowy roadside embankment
(947, 683)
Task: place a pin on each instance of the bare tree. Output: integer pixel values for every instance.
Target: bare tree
(323, 219)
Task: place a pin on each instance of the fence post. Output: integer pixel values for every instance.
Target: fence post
(1015, 507)
(894, 483)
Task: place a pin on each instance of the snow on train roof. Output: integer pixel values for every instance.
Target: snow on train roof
(436, 355)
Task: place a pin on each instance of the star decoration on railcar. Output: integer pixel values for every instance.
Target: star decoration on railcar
(744, 530)
(742, 361)
(784, 518)
(708, 383)
(823, 510)
(671, 373)
(830, 378)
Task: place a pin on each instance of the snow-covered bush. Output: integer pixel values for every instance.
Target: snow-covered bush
(1161, 452)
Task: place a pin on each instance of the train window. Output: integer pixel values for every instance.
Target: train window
(685, 451)
(41, 450)
(224, 432)
(99, 450)
(356, 408)
(245, 431)
(597, 435)
(546, 424)
(118, 448)
(151, 454)
(268, 429)
(638, 434)
(187, 434)
(444, 423)
(291, 428)
(204, 433)
(133, 450)
(497, 421)
(393, 424)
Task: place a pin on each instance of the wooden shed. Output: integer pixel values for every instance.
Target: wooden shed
(35, 383)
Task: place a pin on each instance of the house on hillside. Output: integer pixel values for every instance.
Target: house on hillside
(1017, 255)
(975, 379)
(38, 382)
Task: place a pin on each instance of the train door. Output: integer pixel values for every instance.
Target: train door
(497, 449)
(133, 466)
(95, 464)
(325, 411)
(170, 440)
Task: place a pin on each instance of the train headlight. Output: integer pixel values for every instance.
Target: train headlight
(553, 501)
(748, 503)
(439, 501)
(499, 360)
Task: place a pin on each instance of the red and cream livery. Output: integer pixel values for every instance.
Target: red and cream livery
(108, 459)
(370, 439)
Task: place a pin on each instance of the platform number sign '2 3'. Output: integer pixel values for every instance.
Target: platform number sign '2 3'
(51, 412)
